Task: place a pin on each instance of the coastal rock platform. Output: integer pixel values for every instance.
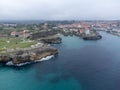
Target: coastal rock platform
(27, 56)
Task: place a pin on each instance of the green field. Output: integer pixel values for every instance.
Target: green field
(14, 43)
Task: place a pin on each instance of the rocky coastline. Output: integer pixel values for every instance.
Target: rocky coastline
(38, 52)
(96, 36)
(42, 49)
(28, 56)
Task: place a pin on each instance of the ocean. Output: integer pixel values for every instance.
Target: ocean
(80, 65)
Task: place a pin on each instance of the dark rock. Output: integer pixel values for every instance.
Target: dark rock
(44, 33)
(92, 37)
(53, 40)
(17, 59)
(4, 58)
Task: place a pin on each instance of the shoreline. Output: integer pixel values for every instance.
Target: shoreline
(10, 63)
(40, 51)
(23, 57)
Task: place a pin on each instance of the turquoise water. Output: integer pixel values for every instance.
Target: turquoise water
(80, 65)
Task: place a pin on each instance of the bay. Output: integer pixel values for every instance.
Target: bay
(80, 65)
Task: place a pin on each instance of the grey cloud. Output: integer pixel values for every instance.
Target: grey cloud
(59, 9)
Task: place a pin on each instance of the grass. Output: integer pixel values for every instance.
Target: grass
(14, 43)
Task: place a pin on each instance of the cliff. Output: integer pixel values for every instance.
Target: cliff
(28, 56)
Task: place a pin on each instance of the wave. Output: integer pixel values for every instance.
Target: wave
(44, 59)
(10, 63)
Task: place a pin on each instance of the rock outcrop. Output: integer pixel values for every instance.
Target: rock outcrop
(52, 40)
(92, 36)
(4, 58)
(96, 37)
(28, 56)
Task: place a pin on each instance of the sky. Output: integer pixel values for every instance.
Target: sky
(59, 9)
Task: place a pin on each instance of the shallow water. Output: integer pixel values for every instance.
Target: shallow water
(80, 65)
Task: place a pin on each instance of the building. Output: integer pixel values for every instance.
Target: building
(87, 31)
(14, 33)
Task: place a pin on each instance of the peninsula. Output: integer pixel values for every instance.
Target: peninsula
(18, 51)
(21, 44)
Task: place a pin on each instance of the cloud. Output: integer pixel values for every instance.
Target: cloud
(59, 9)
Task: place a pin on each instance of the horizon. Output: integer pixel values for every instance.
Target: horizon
(59, 20)
(47, 21)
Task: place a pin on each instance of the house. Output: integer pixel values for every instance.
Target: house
(81, 30)
(14, 33)
(25, 31)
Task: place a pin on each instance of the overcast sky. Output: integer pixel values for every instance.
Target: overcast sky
(59, 9)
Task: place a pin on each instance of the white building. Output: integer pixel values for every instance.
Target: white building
(87, 31)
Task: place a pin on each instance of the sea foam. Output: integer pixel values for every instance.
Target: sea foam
(44, 59)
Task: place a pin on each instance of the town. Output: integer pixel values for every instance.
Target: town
(88, 30)
(25, 30)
